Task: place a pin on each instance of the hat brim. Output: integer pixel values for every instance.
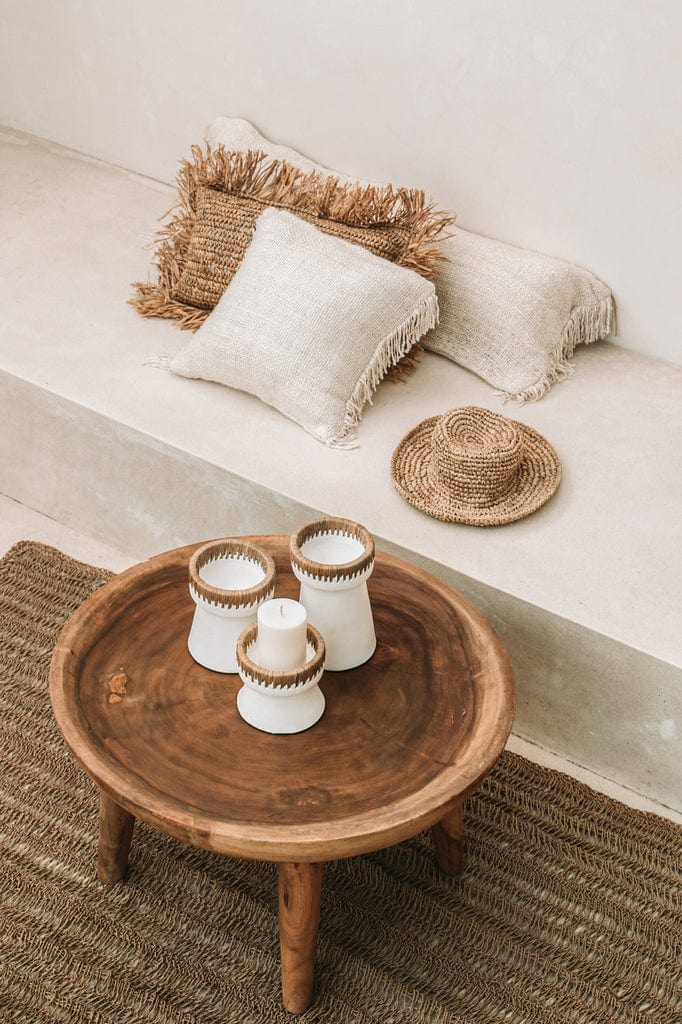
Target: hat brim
(538, 478)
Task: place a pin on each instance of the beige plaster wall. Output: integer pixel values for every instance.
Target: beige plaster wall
(554, 125)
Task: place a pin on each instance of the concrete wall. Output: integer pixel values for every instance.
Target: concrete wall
(553, 125)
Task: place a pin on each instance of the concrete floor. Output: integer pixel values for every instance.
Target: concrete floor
(18, 522)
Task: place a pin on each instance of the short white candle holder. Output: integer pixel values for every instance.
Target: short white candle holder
(228, 580)
(332, 559)
(278, 701)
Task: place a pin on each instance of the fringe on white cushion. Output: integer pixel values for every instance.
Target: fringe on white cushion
(159, 361)
(388, 352)
(586, 324)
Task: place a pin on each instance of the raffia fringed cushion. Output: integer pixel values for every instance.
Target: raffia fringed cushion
(221, 195)
(510, 315)
(310, 324)
(222, 233)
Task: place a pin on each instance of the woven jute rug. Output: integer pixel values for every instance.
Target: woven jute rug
(568, 911)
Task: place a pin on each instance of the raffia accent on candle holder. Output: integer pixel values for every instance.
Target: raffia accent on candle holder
(331, 572)
(474, 466)
(274, 679)
(229, 548)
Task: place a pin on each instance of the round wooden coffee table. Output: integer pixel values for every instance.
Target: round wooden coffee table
(404, 738)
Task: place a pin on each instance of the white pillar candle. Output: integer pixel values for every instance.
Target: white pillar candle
(281, 643)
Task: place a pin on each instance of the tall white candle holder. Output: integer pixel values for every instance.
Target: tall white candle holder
(332, 559)
(278, 701)
(228, 580)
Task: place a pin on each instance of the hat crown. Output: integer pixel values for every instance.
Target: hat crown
(476, 455)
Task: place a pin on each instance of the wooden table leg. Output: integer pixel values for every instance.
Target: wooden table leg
(300, 890)
(448, 841)
(115, 833)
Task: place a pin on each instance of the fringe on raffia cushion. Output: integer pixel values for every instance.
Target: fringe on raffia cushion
(510, 315)
(221, 194)
(320, 358)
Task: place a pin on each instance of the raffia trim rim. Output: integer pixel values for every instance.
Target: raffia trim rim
(231, 548)
(388, 355)
(332, 525)
(585, 325)
(271, 679)
(278, 183)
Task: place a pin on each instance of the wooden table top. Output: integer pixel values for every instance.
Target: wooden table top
(403, 738)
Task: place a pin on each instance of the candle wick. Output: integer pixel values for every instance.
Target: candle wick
(281, 610)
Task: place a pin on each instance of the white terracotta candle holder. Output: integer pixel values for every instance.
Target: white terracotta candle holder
(228, 580)
(332, 559)
(280, 701)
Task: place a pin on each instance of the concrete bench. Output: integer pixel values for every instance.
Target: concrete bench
(583, 592)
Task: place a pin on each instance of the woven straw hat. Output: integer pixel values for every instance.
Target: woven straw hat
(474, 466)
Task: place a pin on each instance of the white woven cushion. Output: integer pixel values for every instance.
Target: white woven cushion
(310, 324)
(510, 315)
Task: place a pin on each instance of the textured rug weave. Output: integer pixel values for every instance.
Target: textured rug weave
(568, 910)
